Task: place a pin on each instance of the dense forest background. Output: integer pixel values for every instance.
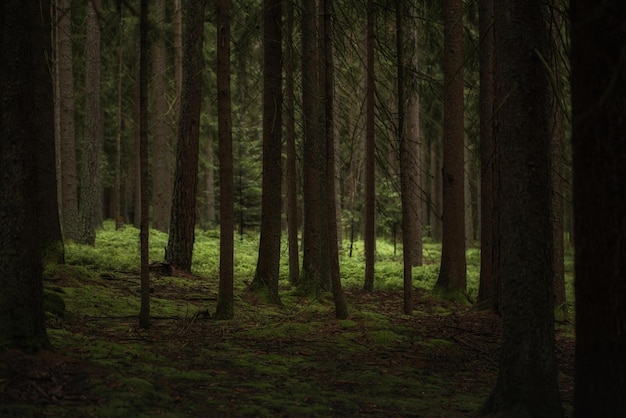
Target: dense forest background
(330, 122)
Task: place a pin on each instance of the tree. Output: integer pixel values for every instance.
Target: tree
(225, 299)
(144, 223)
(452, 275)
(161, 149)
(24, 77)
(598, 81)
(527, 380)
(90, 187)
(488, 289)
(179, 251)
(341, 309)
(290, 169)
(406, 167)
(67, 141)
(370, 155)
(268, 265)
(314, 266)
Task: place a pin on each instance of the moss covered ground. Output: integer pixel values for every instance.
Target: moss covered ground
(290, 360)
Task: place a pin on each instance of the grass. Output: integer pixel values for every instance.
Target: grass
(289, 360)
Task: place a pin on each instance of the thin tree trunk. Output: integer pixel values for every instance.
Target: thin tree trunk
(117, 187)
(292, 186)
(144, 228)
(225, 300)
(90, 190)
(341, 309)
(370, 156)
(489, 244)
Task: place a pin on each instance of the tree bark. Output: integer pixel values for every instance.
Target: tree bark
(90, 202)
(370, 155)
(225, 300)
(69, 179)
(179, 251)
(268, 265)
(527, 382)
(599, 162)
(291, 172)
(161, 147)
(452, 275)
(144, 224)
(24, 78)
(489, 235)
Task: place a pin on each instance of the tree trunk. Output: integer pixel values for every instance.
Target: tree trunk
(161, 147)
(312, 235)
(144, 224)
(599, 161)
(90, 186)
(527, 382)
(291, 172)
(69, 180)
(225, 300)
(489, 235)
(452, 275)
(268, 265)
(341, 309)
(370, 155)
(179, 251)
(27, 91)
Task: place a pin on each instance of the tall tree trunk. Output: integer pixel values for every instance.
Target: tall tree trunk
(67, 141)
(178, 55)
(179, 251)
(452, 275)
(406, 167)
(26, 113)
(161, 147)
(312, 235)
(225, 300)
(291, 172)
(489, 235)
(527, 382)
(268, 265)
(599, 161)
(144, 224)
(90, 202)
(370, 155)
(341, 309)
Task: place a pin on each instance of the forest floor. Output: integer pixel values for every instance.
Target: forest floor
(293, 360)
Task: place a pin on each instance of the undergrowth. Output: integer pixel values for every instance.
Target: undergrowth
(292, 359)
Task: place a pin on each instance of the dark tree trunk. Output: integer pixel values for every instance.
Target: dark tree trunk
(24, 78)
(370, 155)
(65, 74)
(160, 126)
(452, 275)
(599, 160)
(268, 265)
(144, 224)
(291, 172)
(225, 300)
(90, 186)
(341, 309)
(527, 382)
(488, 288)
(179, 251)
(312, 234)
